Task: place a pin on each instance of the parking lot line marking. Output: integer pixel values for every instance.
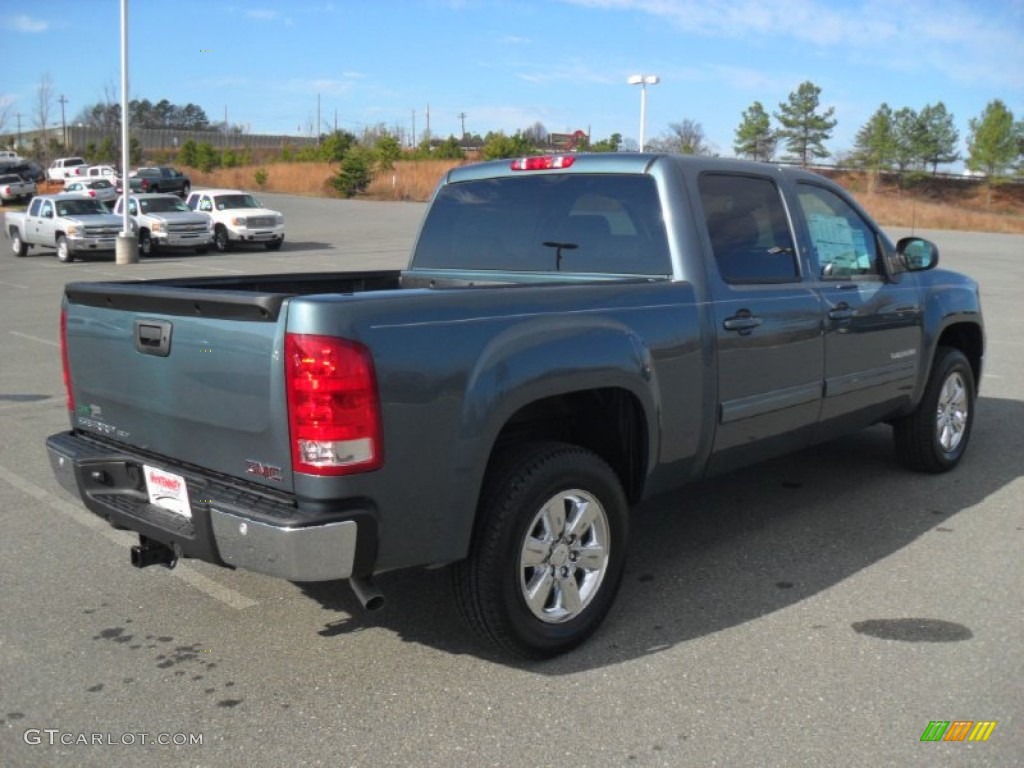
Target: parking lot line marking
(184, 572)
(14, 285)
(34, 338)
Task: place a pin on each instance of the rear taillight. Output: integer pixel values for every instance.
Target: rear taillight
(64, 358)
(92, 193)
(333, 405)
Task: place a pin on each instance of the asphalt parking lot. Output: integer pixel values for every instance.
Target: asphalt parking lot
(821, 609)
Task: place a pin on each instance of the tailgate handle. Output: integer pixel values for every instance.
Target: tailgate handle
(153, 337)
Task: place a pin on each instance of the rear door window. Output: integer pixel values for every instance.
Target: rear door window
(748, 229)
(581, 223)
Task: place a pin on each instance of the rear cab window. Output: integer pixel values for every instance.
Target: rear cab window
(576, 223)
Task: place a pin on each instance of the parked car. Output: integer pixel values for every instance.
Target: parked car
(31, 171)
(101, 189)
(103, 172)
(63, 167)
(70, 224)
(26, 169)
(238, 217)
(14, 188)
(163, 221)
(10, 156)
(160, 179)
(574, 334)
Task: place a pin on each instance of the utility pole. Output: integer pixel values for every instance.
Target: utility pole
(318, 120)
(412, 143)
(63, 123)
(428, 122)
(335, 121)
(462, 116)
(18, 116)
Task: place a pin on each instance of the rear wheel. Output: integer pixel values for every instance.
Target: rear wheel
(934, 437)
(18, 245)
(548, 551)
(63, 250)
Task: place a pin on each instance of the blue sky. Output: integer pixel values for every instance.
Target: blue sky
(508, 64)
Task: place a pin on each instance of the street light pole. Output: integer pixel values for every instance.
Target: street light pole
(643, 81)
(127, 246)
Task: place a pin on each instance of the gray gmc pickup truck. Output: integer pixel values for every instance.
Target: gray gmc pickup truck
(573, 334)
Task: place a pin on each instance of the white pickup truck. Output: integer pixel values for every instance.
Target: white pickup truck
(164, 221)
(238, 217)
(13, 187)
(63, 167)
(70, 224)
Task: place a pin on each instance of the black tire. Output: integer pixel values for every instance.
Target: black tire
(934, 437)
(221, 239)
(274, 245)
(19, 246)
(573, 575)
(147, 246)
(185, 190)
(64, 255)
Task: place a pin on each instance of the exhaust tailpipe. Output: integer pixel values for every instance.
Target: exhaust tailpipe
(371, 598)
(148, 552)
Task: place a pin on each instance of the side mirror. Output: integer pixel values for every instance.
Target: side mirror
(917, 254)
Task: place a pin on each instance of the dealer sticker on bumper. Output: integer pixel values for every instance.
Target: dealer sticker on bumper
(167, 490)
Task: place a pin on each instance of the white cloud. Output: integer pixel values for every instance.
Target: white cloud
(968, 42)
(322, 85)
(262, 14)
(25, 23)
(574, 71)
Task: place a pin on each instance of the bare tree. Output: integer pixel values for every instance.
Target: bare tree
(536, 133)
(44, 101)
(683, 138)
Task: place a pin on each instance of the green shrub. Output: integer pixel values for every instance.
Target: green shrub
(355, 174)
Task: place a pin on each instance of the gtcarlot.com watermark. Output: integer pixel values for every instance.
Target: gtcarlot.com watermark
(54, 737)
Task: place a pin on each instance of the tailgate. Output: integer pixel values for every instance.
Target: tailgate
(191, 374)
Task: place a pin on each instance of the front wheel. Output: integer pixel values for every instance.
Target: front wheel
(63, 250)
(221, 241)
(934, 437)
(147, 247)
(274, 245)
(548, 551)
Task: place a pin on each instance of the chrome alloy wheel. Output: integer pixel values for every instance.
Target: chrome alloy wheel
(951, 415)
(564, 557)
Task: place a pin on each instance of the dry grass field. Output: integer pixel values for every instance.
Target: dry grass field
(933, 203)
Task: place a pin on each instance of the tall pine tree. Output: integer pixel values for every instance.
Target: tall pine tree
(804, 130)
(875, 145)
(754, 136)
